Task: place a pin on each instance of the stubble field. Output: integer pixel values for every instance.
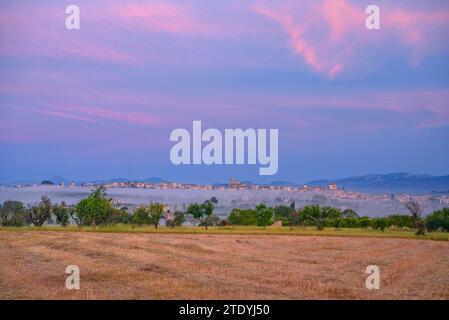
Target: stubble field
(213, 266)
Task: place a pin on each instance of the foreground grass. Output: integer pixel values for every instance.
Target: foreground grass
(246, 230)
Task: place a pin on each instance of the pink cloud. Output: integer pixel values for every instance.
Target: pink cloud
(92, 113)
(328, 34)
(161, 16)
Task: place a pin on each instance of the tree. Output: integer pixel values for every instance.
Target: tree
(438, 220)
(62, 214)
(156, 211)
(47, 182)
(40, 213)
(141, 216)
(242, 217)
(214, 200)
(201, 212)
(415, 210)
(349, 213)
(283, 213)
(119, 216)
(12, 213)
(95, 209)
(264, 215)
(295, 219)
(320, 216)
(379, 223)
(177, 221)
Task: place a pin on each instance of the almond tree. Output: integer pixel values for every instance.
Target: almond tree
(416, 211)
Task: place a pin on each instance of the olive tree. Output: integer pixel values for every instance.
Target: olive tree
(264, 215)
(201, 212)
(40, 213)
(156, 211)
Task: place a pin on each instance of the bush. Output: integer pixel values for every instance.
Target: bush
(350, 223)
(119, 216)
(400, 221)
(438, 220)
(364, 222)
(379, 223)
(62, 214)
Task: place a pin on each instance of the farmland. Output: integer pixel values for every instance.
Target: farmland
(144, 264)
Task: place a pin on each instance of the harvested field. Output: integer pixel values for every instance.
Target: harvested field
(203, 266)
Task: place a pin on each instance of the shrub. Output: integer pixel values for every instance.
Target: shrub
(379, 223)
(364, 222)
(62, 214)
(119, 216)
(400, 221)
(438, 220)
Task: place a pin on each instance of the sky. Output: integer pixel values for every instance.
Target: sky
(100, 102)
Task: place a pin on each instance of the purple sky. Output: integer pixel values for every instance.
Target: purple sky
(100, 102)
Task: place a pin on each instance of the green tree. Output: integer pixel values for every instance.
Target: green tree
(349, 213)
(177, 221)
(119, 216)
(156, 211)
(12, 213)
(364, 222)
(41, 213)
(283, 213)
(264, 215)
(379, 223)
(242, 217)
(295, 219)
(94, 210)
(320, 216)
(438, 220)
(201, 212)
(400, 220)
(141, 216)
(62, 214)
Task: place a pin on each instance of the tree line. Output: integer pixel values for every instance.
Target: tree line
(96, 210)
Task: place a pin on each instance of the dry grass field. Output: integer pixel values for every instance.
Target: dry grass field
(211, 266)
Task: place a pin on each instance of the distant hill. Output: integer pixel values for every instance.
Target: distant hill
(393, 182)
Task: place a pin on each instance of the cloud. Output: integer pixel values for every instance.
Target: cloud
(330, 35)
(91, 114)
(159, 16)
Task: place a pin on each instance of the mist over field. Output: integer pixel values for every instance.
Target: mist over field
(369, 204)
